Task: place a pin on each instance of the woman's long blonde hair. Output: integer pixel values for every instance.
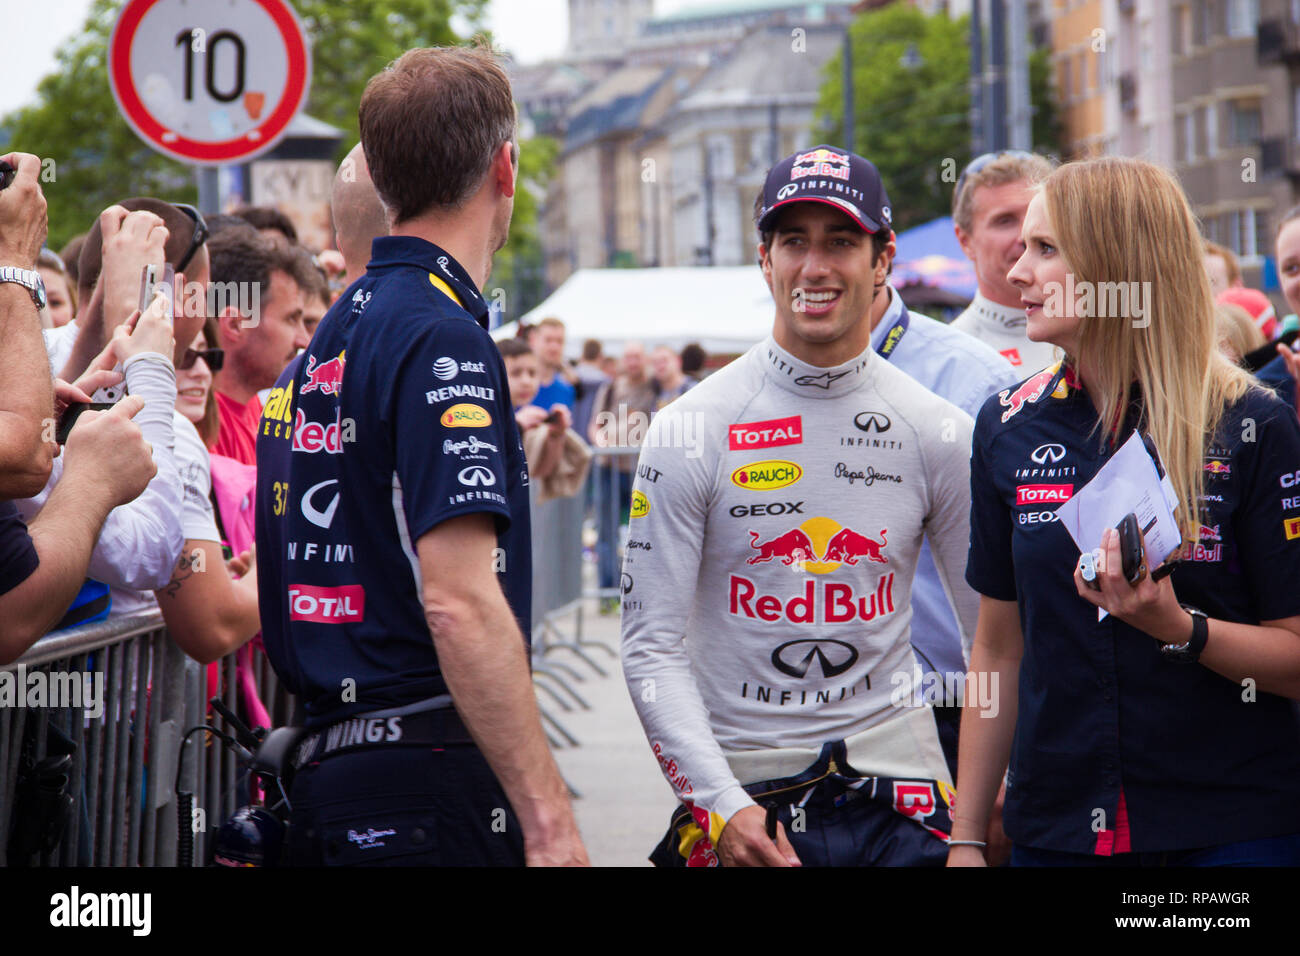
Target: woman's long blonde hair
(1121, 220)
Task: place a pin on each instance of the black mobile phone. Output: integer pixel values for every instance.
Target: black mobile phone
(553, 417)
(6, 174)
(72, 413)
(1130, 548)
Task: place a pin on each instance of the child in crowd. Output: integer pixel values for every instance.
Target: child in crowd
(544, 431)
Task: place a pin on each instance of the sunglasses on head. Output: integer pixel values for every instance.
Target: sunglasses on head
(979, 162)
(214, 358)
(200, 235)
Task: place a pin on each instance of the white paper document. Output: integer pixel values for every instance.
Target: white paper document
(1128, 482)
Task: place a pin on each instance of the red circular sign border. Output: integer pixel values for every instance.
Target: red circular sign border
(226, 151)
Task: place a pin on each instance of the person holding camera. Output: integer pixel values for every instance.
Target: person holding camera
(1161, 733)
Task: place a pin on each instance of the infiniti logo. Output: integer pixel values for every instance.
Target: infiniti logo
(789, 189)
(834, 657)
(477, 475)
(1045, 453)
(321, 519)
(625, 583)
(872, 422)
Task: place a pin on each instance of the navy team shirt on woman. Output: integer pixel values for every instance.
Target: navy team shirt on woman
(395, 419)
(1175, 756)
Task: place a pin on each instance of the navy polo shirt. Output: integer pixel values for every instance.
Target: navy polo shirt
(1276, 377)
(1101, 712)
(395, 419)
(18, 557)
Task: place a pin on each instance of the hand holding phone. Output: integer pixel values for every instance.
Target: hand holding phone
(72, 413)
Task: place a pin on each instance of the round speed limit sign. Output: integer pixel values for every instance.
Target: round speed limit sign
(209, 81)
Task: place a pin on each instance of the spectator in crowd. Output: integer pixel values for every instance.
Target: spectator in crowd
(358, 215)
(1222, 268)
(693, 358)
(1257, 306)
(257, 345)
(553, 422)
(670, 383)
(621, 416)
(220, 222)
(1237, 333)
(1282, 372)
(105, 460)
(1083, 706)
(60, 302)
(588, 379)
(988, 207)
(102, 307)
(270, 222)
(548, 345)
(208, 612)
(69, 256)
(316, 291)
(610, 365)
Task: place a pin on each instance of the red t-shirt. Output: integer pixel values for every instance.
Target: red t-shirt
(238, 436)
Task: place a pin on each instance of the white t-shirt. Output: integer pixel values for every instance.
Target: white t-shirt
(1003, 328)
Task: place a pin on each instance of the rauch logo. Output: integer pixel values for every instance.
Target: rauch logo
(766, 475)
(466, 416)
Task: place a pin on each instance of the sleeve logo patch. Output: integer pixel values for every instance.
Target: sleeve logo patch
(466, 416)
(640, 505)
(766, 475)
(1292, 528)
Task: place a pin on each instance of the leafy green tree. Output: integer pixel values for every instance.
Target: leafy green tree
(98, 159)
(911, 100)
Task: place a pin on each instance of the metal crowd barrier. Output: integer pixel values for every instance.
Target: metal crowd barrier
(123, 761)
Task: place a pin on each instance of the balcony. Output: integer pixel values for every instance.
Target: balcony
(1278, 42)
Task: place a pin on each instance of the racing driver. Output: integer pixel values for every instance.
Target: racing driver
(768, 578)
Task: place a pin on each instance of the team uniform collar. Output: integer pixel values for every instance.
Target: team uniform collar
(444, 271)
(812, 381)
(988, 312)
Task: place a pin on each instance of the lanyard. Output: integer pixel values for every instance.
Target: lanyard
(895, 333)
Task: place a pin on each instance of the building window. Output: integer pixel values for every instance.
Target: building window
(1211, 129)
(1201, 23)
(1243, 17)
(1144, 46)
(1198, 119)
(1189, 137)
(1245, 122)
(1295, 112)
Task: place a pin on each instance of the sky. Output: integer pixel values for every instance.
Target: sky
(532, 30)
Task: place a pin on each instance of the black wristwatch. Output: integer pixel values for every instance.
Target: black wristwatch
(1190, 652)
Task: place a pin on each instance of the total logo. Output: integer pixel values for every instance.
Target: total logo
(766, 475)
(1043, 494)
(466, 416)
(767, 434)
(447, 368)
(818, 546)
(476, 476)
(327, 605)
(326, 378)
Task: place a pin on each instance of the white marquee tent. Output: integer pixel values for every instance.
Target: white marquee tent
(724, 309)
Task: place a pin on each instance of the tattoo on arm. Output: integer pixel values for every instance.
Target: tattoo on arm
(184, 571)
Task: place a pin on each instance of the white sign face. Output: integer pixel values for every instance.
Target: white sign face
(209, 82)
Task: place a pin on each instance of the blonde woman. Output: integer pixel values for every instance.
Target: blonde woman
(1163, 733)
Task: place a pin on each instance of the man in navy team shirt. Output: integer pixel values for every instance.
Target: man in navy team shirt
(393, 520)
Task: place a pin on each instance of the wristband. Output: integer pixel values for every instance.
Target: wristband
(979, 843)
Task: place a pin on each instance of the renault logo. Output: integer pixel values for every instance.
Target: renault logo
(872, 422)
(796, 657)
(1045, 453)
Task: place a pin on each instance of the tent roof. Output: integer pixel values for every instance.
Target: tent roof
(724, 309)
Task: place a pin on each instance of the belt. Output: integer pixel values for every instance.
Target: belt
(418, 725)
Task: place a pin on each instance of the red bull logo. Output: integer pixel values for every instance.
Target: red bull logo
(1216, 467)
(326, 378)
(818, 546)
(1210, 533)
(834, 603)
(822, 156)
(1029, 392)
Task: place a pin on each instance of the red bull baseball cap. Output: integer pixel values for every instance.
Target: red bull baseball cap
(830, 175)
